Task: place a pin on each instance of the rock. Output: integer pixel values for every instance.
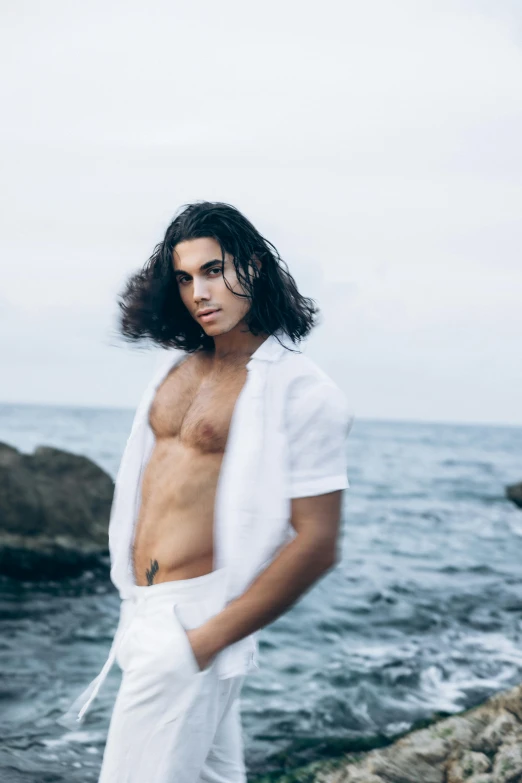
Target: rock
(422, 754)
(360, 776)
(54, 512)
(405, 765)
(514, 493)
(496, 732)
(508, 764)
(469, 764)
(511, 701)
(457, 732)
(513, 738)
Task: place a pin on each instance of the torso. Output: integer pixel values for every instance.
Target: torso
(190, 418)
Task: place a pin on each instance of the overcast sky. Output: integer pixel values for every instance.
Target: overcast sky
(376, 144)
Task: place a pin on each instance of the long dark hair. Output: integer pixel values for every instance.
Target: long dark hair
(151, 306)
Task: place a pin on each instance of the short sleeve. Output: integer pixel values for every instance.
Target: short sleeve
(318, 422)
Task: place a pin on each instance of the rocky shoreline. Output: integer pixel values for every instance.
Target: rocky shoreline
(479, 745)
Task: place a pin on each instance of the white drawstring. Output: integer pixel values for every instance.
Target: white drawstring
(81, 704)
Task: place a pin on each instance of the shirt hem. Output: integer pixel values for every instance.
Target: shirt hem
(300, 489)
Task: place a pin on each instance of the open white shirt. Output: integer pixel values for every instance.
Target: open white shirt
(287, 439)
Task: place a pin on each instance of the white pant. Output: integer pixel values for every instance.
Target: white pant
(172, 722)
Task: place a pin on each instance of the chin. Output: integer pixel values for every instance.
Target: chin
(212, 329)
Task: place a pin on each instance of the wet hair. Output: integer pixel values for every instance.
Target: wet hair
(151, 306)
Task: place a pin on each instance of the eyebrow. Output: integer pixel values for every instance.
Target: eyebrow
(202, 268)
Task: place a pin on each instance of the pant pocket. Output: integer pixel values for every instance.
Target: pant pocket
(181, 633)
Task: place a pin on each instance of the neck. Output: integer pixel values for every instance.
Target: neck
(235, 346)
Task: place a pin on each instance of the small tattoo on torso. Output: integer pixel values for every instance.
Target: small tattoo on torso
(151, 573)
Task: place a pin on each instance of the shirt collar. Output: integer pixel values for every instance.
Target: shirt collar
(271, 349)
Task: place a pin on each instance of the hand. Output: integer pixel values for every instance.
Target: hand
(203, 651)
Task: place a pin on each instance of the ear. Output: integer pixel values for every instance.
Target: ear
(256, 262)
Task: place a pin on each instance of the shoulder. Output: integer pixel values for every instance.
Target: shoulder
(310, 392)
(300, 374)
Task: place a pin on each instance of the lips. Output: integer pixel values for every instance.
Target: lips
(208, 311)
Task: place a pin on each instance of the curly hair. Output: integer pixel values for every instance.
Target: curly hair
(151, 306)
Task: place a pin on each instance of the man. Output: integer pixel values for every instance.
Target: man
(228, 498)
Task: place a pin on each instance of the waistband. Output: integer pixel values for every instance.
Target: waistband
(194, 587)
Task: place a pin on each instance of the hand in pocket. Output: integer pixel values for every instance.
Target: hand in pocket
(194, 642)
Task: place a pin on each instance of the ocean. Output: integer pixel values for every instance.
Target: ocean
(422, 617)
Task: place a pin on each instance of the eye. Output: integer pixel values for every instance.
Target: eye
(215, 269)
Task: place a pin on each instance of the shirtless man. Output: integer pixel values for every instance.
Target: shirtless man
(190, 417)
(228, 498)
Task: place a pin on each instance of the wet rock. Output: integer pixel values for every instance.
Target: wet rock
(54, 512)
(514, 493)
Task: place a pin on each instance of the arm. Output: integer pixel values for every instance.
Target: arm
(297, 566)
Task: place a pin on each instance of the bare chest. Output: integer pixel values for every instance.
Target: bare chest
(195, 405)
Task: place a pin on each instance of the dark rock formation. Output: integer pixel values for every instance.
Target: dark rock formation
(54, 512)
(514, 493)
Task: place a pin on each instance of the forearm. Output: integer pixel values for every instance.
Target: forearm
(293, 571)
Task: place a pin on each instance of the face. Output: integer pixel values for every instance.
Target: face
(197, 267)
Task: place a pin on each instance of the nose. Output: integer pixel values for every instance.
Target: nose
(200, 290)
